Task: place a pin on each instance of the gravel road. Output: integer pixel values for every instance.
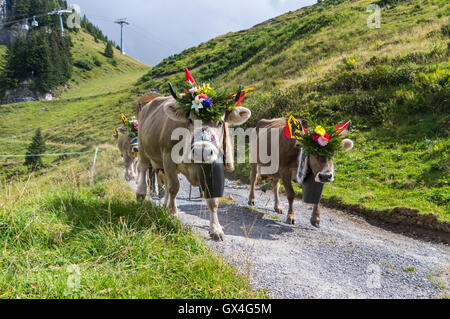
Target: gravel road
(346, 258)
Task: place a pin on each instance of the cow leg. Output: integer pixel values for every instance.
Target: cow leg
(253, 181)
(160, 183)
(141, 191)
(173, 184)
(127, 163)
(276, 194)
(315, 218)
(215, 230)
(290, 196)
(151, 180)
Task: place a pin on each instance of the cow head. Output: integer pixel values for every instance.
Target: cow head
(134, 144)
(209, 140)
(210, 136)
(321, 166)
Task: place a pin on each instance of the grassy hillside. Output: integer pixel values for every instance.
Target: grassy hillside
(324, 63)
(55, 227)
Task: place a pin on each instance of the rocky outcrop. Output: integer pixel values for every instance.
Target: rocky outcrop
(25, 93)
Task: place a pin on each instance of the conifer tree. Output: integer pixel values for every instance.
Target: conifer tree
(109, 52)
(36, 147)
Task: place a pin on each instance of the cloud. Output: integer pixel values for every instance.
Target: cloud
(160, 28)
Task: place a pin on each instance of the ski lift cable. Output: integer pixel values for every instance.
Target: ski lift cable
(146, 35)
(35, 16)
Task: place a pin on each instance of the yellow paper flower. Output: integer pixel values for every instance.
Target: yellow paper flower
(320, 131)
(204, 88)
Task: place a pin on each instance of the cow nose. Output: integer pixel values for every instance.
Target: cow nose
(204, 154)
(325, 176)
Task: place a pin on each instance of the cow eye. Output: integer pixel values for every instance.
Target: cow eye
(191, 122)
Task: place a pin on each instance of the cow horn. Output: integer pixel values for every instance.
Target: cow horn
(238, 95)
(173, 92)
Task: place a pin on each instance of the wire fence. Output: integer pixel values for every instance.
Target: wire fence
(47, 155)
(92, 171)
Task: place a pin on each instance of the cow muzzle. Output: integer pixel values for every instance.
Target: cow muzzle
(134, 145)
(204, 147)
(204, 152)
(325, 177)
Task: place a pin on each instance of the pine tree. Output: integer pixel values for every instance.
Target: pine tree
(109, 52)
(36, 147)
(22, 9)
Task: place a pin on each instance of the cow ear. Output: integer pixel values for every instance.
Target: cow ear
(348, 144)
(121, 130)
(174, 112)
(238, 116)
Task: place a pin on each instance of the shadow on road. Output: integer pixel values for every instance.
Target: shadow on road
(238, 220)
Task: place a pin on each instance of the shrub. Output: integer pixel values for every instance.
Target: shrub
(84, 64)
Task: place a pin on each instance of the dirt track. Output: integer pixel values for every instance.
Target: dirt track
(346, 258)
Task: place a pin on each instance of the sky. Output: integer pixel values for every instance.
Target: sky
(161, 28)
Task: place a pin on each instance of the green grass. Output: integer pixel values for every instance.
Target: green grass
(55, 225)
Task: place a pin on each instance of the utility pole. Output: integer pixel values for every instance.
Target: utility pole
(121, 22)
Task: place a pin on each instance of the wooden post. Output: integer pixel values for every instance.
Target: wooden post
(93, 167)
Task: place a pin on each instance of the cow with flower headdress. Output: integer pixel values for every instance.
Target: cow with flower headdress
(127, 142)
(305, 156)
(199, 118)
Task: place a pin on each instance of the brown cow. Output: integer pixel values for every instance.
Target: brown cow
(158, 120)
(288, 157)
(128, 149)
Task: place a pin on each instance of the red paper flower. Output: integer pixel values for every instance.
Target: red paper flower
(315, 137)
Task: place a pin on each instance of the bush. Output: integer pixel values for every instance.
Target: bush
(97, 62)
(84, 64)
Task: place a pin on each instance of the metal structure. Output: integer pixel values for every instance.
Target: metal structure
(122, 22)
(34, 23)
(60, 13)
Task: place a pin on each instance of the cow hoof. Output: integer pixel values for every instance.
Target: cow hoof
(279, 211)
(217, 235)
(290, 221)
(162, 193)
(140, 197)
(251, 203)
(315, 223)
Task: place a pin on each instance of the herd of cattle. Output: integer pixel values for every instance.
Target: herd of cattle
(154, 167)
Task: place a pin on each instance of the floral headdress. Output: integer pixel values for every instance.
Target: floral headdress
(323, 140)
(208, 104)
(130, 127)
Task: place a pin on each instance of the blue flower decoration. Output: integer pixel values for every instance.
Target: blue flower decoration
(207, 103)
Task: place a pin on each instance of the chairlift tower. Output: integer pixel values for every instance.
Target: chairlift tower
(60, 13)
(121, 22)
